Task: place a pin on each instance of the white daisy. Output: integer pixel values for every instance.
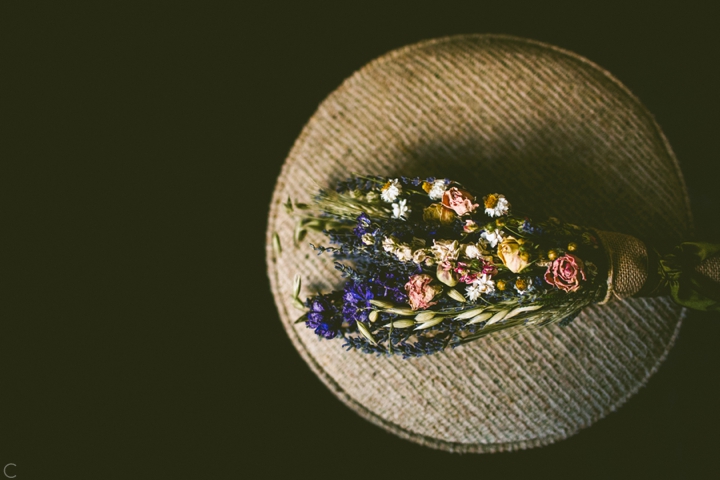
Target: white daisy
(401, 209)
(391, 190)
(502, 207)
(493, 237)
(528, 288)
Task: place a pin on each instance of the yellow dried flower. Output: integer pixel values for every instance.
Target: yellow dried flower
(437, 213)
(490, 200)
(510, 254)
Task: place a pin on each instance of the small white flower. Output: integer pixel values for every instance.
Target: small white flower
(391, 191)
(471, 251)
(502, 207)
(368, 239)
(475, 250)
(401, 209)
(482, 284)
(404, 253)
(529, 288)
(437, 190)
(493, 237)
(389, 244)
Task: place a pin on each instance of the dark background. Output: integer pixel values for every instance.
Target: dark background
(139, 337)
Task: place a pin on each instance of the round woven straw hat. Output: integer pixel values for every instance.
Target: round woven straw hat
(558, 136)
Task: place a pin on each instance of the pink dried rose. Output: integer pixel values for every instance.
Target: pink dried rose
(464, 273)
(459, 201)
(421, 291)
(565, 272)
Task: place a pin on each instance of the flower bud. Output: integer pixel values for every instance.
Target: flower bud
(446, 276)
(455, 295)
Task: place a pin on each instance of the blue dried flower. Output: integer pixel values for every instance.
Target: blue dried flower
(323, 316)
(363, 222)
(527, 227)
(391, 285)
(356, 298)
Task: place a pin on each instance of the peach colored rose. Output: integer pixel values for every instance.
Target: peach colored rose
(565, 272)
(459, 201)
(421, 291)
(509, 253)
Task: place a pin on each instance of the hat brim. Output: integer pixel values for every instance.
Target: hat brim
(555, 134)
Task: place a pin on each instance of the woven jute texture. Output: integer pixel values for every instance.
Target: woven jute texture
(627, 264)
(710, 267)
(559, 137)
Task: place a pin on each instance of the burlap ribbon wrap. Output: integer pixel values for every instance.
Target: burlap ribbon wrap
(690, 274)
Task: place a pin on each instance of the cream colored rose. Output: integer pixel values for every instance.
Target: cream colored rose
(404, 253)
(474, 250)
(509, 253)
(389, 244)
(445, 250)
(419, 256)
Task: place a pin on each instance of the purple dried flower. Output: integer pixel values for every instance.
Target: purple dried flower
(323, 317)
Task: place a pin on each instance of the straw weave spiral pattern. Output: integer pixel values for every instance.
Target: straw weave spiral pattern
(557, 136)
